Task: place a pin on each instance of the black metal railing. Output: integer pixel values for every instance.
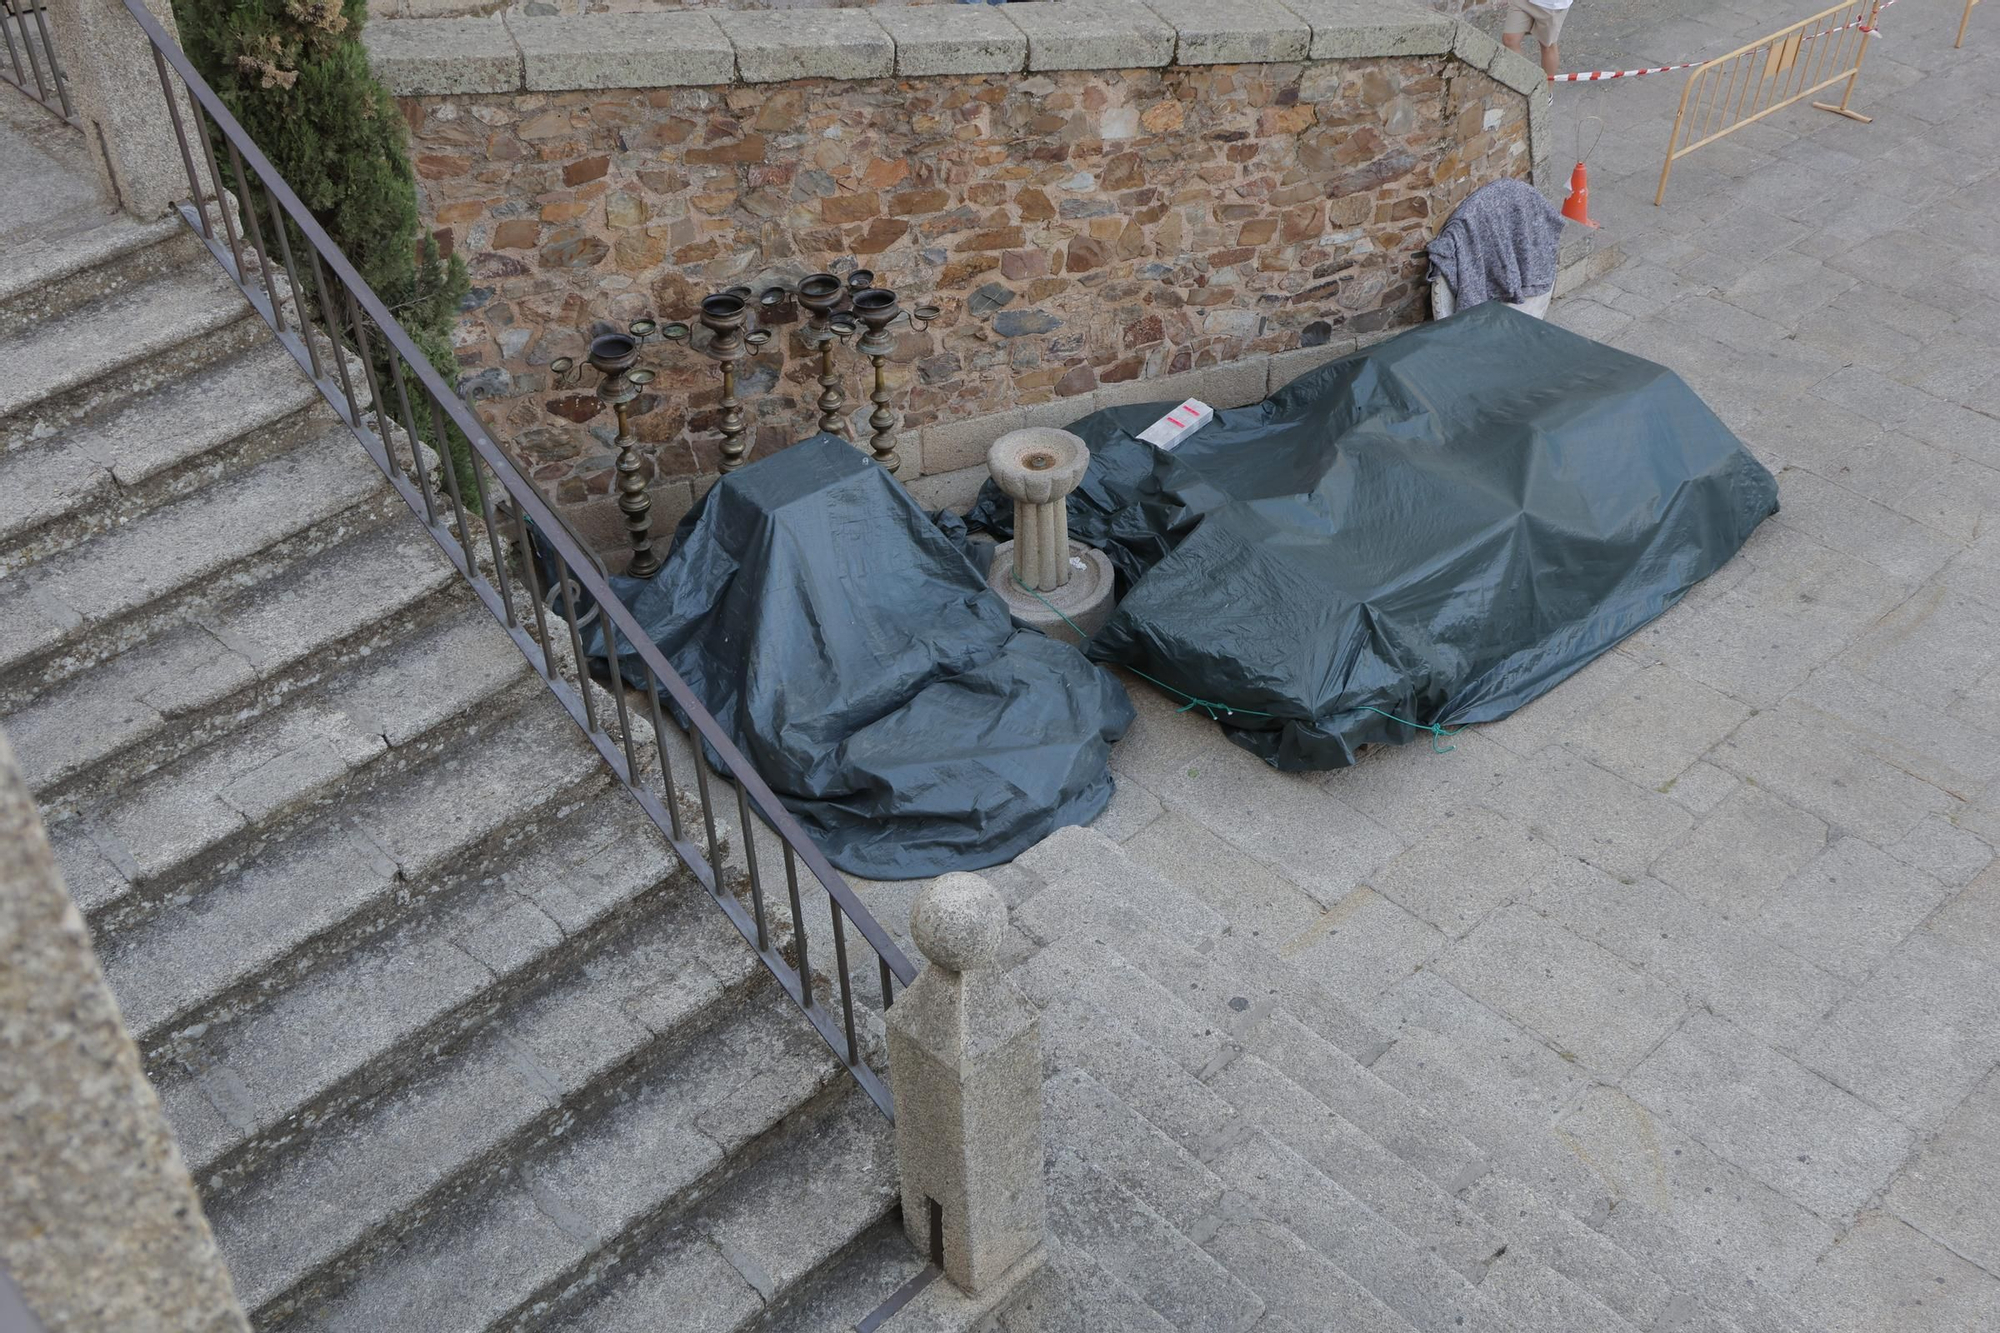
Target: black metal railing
(31, 56)
(372, 373)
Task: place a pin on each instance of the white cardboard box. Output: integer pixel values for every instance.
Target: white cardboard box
(1178, 424)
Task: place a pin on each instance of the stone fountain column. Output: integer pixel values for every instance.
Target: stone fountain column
(1060, 587)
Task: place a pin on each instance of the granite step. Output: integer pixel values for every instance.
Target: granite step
(64, 370)
(359, 730)
(1072, 1293)
(347, 1199)
(93, 600)
(260, 1080)
(48, 277)
(498, 781)
(801, 1240)
(1164, 1267)
(1707, 1291)
(845, 1289)
(167, 443)
(1280, 1186)
(123, 718)
(593, 1192)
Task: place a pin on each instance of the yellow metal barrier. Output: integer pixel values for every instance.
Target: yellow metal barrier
(1770, 74)
(1962, 22)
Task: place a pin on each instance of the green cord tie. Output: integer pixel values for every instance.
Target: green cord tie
(1437, 730)
(1217, 711)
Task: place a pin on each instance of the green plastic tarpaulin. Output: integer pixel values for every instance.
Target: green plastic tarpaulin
(1433, 531)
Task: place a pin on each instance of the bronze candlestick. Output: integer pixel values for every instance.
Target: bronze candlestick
(612, 356)
(876, 308)
(724, 316)
(820, 294)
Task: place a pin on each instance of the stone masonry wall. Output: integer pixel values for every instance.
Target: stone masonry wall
(1112, 202)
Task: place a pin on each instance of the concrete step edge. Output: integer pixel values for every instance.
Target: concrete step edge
(153, 332)
(586, 1134)
(46, 280)
(286, 921)
(340, 714)
(84, 488)
(426, 1031)
(64, 641)
(147, 737)
(840, 1140)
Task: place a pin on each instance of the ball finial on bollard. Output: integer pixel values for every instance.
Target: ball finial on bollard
(959, 922)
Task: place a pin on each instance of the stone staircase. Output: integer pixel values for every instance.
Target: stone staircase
(449, 1038)
(1231, 1147)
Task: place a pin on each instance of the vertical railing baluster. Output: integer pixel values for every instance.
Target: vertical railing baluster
(563, 582)
(707, 809)
(448, 467)
(13, 54)
(750, 859)
(888, 980)
(366, 356)
(846, 983)
(215, 179)
(329, 311)
(660, 743)
(34, 66)
(299, 306)
(256, 230)
(417, 470)
(55, 63)
(616, 671)
(531, 571)
(500, 576)
(393, 371)
(180, 137)
(798, 924)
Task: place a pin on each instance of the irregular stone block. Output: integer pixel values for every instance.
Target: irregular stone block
(623, 51)
(1093, 34)
(415, 56)
(954, 39)
(834, 44)
(1244, 32)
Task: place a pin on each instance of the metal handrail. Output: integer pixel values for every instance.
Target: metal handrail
(576, 569)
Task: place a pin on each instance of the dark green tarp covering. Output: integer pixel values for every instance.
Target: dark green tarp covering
(1441, 527)
(869, 674)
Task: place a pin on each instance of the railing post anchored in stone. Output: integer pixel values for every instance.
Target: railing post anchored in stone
(965, 1062)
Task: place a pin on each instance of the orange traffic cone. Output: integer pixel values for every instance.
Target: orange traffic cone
(1577, 207)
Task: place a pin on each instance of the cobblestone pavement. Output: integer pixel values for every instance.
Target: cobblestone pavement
(1703, 947)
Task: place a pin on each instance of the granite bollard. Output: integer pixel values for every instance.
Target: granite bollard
(965, 1062)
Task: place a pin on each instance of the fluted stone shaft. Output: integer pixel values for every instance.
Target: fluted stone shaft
(1037, 468)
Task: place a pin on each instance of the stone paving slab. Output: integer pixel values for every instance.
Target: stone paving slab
(1801, 1134)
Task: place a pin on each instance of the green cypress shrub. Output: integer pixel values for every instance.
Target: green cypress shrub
(295, 74)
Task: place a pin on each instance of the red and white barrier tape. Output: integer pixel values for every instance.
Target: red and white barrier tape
(1595, 75)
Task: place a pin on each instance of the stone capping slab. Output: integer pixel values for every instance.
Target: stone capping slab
(715, 47)
(422, 56)
(954, 39)
(1093, 34)
(1355, 29)
(1234, 32)
(622, 51)
(774, 46)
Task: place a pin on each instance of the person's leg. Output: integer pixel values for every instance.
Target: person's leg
(1548, 31)
(1519, 21)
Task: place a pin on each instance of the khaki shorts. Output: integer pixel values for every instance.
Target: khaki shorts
(1525, 17)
